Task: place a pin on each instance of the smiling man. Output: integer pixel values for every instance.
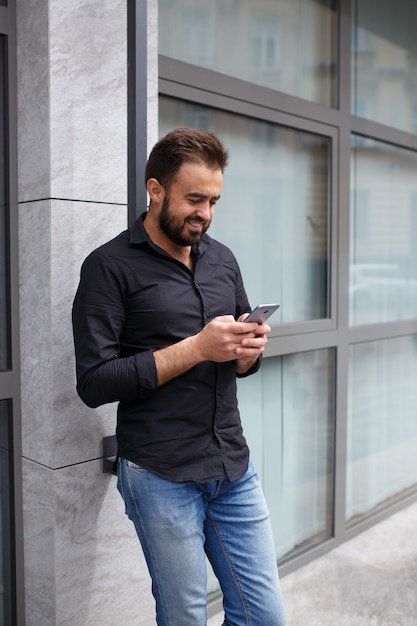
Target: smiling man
(158, 327)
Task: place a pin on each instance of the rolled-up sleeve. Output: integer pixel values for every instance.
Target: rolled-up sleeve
(98, 317)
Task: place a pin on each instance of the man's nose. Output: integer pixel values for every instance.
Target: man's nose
(205, 210)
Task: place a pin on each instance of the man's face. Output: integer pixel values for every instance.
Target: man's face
(187, 208)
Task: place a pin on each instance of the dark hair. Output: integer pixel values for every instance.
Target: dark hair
(184, 145)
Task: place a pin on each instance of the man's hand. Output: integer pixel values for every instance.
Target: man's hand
(245, 362)
(222, 339)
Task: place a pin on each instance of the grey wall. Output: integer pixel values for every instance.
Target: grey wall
(83, 563)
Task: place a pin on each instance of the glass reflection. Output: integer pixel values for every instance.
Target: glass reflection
(288, 45)
(383, 233)
(287, 414)
(382, 425)
(384, 62)
(274, 207)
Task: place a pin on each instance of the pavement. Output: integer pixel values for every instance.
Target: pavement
(371, 580)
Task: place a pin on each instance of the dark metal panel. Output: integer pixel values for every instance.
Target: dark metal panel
(6, 385)
(137, 55)
(5, 17)
(109, 454)
(14, 390)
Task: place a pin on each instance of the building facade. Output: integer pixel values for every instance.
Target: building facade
(317, 102)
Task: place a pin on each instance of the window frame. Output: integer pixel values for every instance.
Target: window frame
(228, 104)
(10, 379)
(206, 87)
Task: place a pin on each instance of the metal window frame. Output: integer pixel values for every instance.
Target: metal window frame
(207, 97)
(137, 105)
(186, 82)
(201, 86)
(10, 380)
(198, 85)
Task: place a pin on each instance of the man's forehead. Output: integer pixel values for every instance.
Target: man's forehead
(190, 171)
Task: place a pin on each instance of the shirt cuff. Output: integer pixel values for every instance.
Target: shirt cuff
(147, 375)
(253, 369)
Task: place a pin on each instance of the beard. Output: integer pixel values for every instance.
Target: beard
(175, 228)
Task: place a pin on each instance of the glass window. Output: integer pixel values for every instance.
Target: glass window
(287, 45)
(384, 63)
(4, 252)
(274, 207)
(6, 579)
(287, 415)
(383, 237)
(382, 425)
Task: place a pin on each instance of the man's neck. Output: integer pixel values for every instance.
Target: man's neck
(181, 253)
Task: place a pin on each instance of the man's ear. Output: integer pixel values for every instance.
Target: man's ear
(155, 190)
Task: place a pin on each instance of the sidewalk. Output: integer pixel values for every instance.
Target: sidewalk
(369, 581)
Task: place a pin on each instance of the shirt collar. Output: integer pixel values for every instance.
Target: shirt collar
(138, 233)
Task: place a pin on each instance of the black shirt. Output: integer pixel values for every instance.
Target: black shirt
(134, 298)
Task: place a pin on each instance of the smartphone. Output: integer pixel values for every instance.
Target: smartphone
(261, 313)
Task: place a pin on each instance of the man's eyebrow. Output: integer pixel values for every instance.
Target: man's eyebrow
(203, 196)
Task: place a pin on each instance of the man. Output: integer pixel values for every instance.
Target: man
(158, 327)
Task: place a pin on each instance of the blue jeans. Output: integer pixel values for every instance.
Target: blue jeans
(179, 523)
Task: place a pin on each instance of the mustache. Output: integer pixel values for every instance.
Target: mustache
(191, 218)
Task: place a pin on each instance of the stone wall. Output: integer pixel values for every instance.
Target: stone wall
(83, 563)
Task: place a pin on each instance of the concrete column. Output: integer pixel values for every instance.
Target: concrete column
(83, 563)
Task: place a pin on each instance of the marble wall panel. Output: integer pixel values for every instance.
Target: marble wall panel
(101, 576)
(33, 100)
(55, 237)
(39, 544)
(36, 331)
(84, 563)
(72, 98)
(76, 229)
(88, 107)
